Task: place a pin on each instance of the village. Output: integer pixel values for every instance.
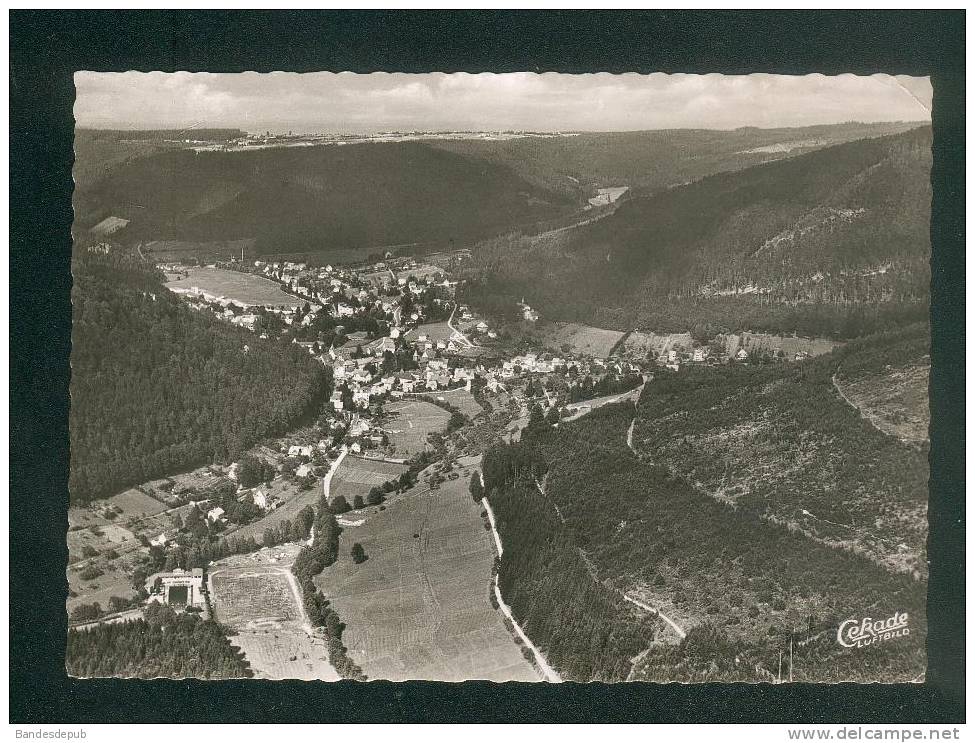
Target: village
(420, 379)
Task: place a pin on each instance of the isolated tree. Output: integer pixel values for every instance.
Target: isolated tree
(358, 554)
(358, 503)
(477, 489)
(375, 496)
(340, 505)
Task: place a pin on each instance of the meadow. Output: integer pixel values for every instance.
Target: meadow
(580, 339)
(461, 399)
(412, 422)
(434, 331)
(357, 476)
(243, 288)
(419, 607)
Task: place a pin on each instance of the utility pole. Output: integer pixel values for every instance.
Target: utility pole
(791, 636)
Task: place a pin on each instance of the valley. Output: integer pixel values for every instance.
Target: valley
(692, 367)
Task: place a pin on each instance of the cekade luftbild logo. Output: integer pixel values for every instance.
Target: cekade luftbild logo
(868, 631)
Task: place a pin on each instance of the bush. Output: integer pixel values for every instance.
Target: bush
(86, 612)
(91, 572)
(340, 505)
(89, 551)
(358, 554)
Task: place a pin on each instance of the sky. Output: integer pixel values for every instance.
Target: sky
(348, 102)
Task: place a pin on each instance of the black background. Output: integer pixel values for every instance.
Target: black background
(46, 47)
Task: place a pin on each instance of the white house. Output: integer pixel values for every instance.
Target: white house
(215, 514)
(303, 471)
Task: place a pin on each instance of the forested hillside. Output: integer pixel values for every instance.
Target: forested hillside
(157, 387)
(586, 631)
(742, 585)
(652, 160)
(831, 242)
(314, 198)
(779, 441)
(163, 645)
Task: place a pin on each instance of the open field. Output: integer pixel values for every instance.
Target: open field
(285, 654)
(133, 504)
(460, 398)
(418, 607)
(895, 400)
(243, 288)
(581, 408)
(408, 431)
(256, 596)
(357, 476)
(581, 339)
(436, 331)
(253, 597)
(109, 225)
(114, 580)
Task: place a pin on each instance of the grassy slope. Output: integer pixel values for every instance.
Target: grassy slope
(418, 607)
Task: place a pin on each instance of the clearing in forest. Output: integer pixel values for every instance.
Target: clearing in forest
(581, 339)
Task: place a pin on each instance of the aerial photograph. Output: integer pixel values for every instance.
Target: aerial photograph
(507, 377)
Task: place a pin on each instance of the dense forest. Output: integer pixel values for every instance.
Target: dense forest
(743, 578)
(586, 631)
(653, 160)
(157, 387)
(780, 441)
(756, 581)
(315, 198)
(162, 645)
(833, 242)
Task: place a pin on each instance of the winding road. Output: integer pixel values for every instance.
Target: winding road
(327, 480)
(550, 673)
(450, 324)
(646, 607)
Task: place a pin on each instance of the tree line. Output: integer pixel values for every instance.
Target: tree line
(163, 644)
(586, 630)
(157, 387)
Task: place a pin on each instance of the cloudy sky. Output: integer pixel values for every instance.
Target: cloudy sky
(347, 102)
